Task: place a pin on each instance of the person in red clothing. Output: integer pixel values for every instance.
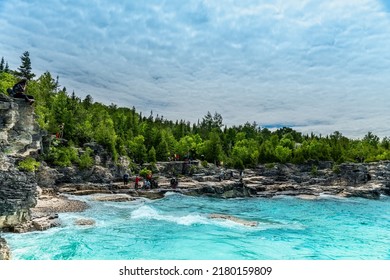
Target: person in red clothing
(136, 182)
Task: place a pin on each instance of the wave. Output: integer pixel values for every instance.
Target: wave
(149, 213)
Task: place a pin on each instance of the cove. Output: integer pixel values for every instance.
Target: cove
(179, 227)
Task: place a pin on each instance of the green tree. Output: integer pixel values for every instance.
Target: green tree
(283, 154)
(152, 155)
(138, 150)
(212, 148)
(2, 64)
(25, 70)
(6, 68)
(6, 81)
(162, 151)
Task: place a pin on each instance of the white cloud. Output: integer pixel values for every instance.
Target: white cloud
(314, 65)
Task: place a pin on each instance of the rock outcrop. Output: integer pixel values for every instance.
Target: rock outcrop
(19, 136)
(5, 253)
(17, 196)
(19, 132)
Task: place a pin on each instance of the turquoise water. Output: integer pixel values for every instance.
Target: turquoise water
(178, 227)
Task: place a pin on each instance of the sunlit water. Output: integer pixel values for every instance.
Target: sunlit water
(178, 227)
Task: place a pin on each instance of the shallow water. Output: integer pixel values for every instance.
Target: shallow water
(178, 227)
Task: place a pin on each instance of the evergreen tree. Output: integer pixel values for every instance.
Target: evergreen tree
(6, 68)
(2, 64)
(25, 68)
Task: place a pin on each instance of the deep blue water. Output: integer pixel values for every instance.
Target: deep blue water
(178, 227)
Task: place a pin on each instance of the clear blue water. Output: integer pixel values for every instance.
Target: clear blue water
(178, 227)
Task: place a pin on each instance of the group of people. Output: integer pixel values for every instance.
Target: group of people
(148, 183)
(19, 91)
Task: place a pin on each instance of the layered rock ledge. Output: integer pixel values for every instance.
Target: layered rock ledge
(347, 180)
(20, 135)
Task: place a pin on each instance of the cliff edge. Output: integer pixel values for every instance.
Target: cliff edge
(20, 136)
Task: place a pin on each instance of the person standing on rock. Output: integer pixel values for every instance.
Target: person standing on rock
(125, 179)
(136, 185)
(174, 183)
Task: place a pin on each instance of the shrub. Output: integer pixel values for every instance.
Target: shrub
(86, 161)
(314, 170)
(336, 169)
(145, 172)
(63, 156)
(238, 164)
(269, 165)
(29, 164)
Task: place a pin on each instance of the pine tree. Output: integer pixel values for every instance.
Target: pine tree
(2, 64)
(6, 68)
(25, 68)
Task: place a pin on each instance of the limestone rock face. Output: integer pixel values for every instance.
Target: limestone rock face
(49, 177)
(19, 131)
(17, 196)
(20, 136)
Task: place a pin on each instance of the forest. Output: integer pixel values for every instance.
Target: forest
(148, 138)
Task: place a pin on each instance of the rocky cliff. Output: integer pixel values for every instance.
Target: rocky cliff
(19, 136)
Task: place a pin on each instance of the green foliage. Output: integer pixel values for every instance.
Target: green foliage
(6, 81)
(145, 172)
(283, 154)
(212, 148)
(137, 149)
(29, 164)
(336, 169)
(152, 155)
(2, 64)
(238, 164)
(62, 156)
(270, 165)
(314, 170)
(25, 67)
(86, 161)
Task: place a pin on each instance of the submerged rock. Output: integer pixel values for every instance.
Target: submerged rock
(234, 219)
(85, 222)
(114, 198)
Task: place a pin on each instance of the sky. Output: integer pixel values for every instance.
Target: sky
(316, 66)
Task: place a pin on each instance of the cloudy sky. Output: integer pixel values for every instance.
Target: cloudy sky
(317, 66)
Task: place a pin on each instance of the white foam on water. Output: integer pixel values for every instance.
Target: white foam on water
(147, 212)
(171, 193)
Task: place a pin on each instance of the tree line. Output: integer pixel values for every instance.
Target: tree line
(125, 132)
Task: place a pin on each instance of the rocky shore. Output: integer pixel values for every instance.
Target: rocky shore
(345, 180)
